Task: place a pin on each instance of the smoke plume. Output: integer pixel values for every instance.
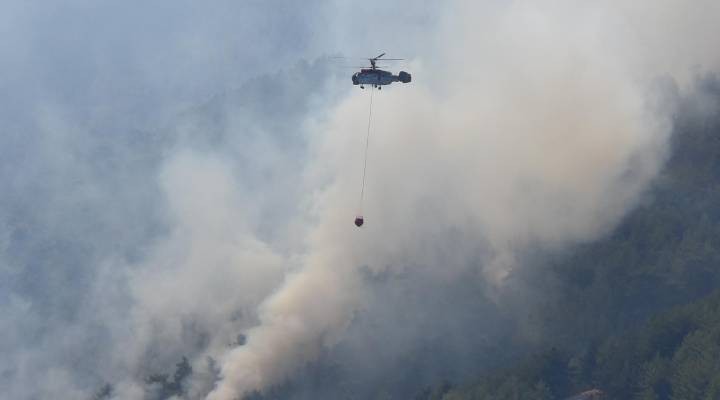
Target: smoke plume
(178, 186)
(533, 124)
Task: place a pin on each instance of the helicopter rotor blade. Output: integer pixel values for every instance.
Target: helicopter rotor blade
(365, 58)
(364, 66)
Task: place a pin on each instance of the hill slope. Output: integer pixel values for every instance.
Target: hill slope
(664, 256)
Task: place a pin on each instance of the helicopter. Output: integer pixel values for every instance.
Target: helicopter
(378, 77)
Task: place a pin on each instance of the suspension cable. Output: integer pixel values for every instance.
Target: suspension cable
(367, 145)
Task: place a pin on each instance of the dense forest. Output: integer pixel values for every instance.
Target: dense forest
(636, 315)
(675, 355)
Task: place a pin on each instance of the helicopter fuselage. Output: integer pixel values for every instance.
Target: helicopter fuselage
(377, 77)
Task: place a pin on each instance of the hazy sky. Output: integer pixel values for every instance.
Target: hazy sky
(175, 174)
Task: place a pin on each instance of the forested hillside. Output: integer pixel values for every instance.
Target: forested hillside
(661, 263)
(675, 355)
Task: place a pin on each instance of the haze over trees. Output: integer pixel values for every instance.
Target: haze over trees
(178, 182)
(636, 314)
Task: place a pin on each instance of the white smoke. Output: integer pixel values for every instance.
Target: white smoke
(210, 257)
(540, 126)
(526, 124)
